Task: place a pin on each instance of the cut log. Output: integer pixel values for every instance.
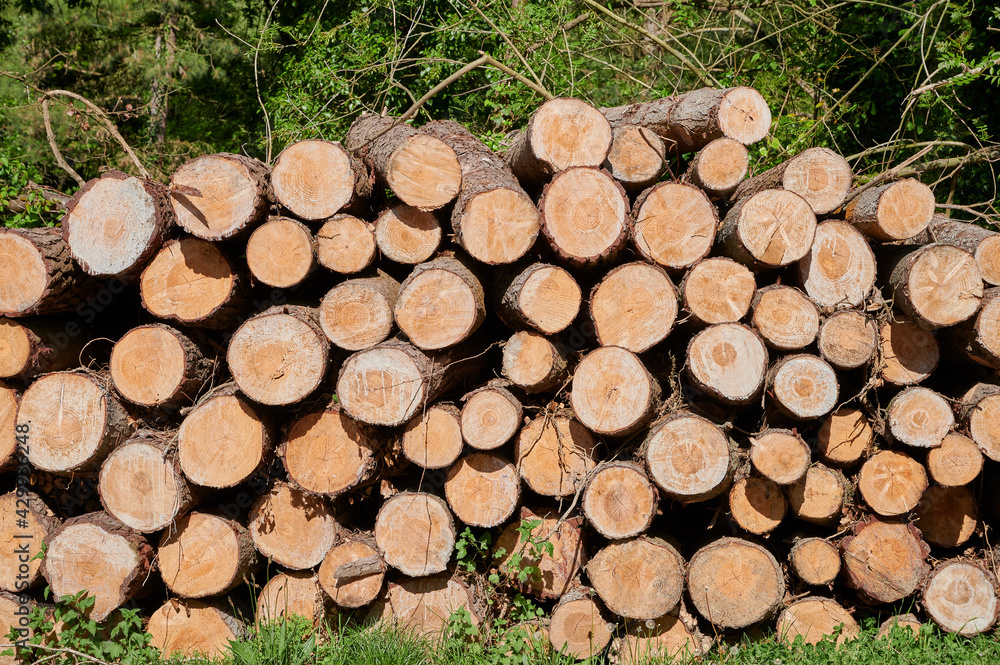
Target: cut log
(533, 363)
(674, 225)
(840, 269)
(981, 410)
(346, 244)
(820, 496)
(205, 555)
(780, 455)
(29, 347)
(422, 170)
(281, 252)
(491, 416)
(669, 637)
(978, 338)
(556, 570)
(757, 504)
(785, 317)
(74, 421)
(957, 461)
(25, 521)
(735, 583)
(358, 313)
(555, 454)
(947, 516)
(424, 606)
(159, 366)
(634, 306)
(719, 167)
(884, 561)
(341, 583)
(907, 354)
(619, 501)
(770, 229)
(728, 361)
(961, 597)
(803, 386)
(542, 296)
(483, 489)
(8, 423)
(689, 457)
(937, 285)
(293, 593)
(612, 392)
(819, 175)
(415, 533)
(279, 357)
(907, 625)
(718, 290)
(440, 304)
(405, 234)
(215, 197)
(493, 220)
(894, 211)
(190, 629)
(584, 214)
(637, 157)
(292, 528)
(41, 277)
(123, 559)
(116, 223)
(433, 440)
(919, 417)
(891, 482)
(845, 437)
(814, 619)
(577, 627)
(847, 339)
(982, 243)
(191, 282)
(315, 179)
(815, 561)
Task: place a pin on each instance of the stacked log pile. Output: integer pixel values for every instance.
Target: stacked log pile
(712, 400)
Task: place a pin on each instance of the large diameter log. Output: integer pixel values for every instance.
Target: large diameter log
(424, 606)
(159, 366)
(29, 347)
(415, 533)
(840, 269)
(847, 339)
(358, 313)
(39, 276)
(907, 354)
(982, 243)
(192, 628)
(542, 296)
(440, 304)
(894, 211)
(9, 401)
(637, 157)
(291, 594)
(718, 290)
(353, 571)
(74, 422)
(316, 179)
(891, 482)
(215, 197)
(961, 597)
(116, 223)
(407, 235)
(556, 570)
(884, 561)
(780, 455)
(612, 392)
(785, 317)
(814, 619)
(978, 339)
(422, 170)
(619, 501)
(493, 219)
(689, 457)
(757, 504)
(728, 361)
(555, 454)
(433, 439)
(634, 306)
(844, 437)
(919, 417)
(667, 637)
(735, 583)
(815, 561)
(819, 496)
(205, 555)
(584, 214)
(490, 417)
(981, 411)
(769, 229)
(483, 489)
(938, 285)
(533, 363)
(345, 244)
(280, 356)
(719, 167)
(957, 461)
(124, 561)
(819, 175)
(577, 627)
(292, 528)
(803, 386)
(674, 225)
(947, 516)
(281, 252)
(25, 522)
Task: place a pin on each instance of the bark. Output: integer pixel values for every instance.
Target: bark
(316, 179)
(584, 215)
(612, 392)
(440, 304)
(281, 253)
(719, 595)
(291, 528)
(221, 196)
(34, 346)
(819, 175)
(159, 366)
(416, 533)
(619, 501)
(24, 289)
(205, 555)
(483, 489)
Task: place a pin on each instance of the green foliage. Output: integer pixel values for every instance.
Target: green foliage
(21, 202)
(291, 641)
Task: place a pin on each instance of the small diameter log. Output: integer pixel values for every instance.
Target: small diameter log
(981, 410)
(937, 285)
(780, 455)
(433, 439)
(728, 361)
(223, 441)
(316, 179)
(159, 366)
(919, 417)
(280, 356)
(483, 489)
(353, 571)
(40, 276)
(291, 594)
(717, 290)
(557, 570)
(205, 555)
(8, 423)
(29, 347)
(215, 197)
(815, 561)
(819, 496)
(542, 296)
(891, 482)
(584, 214)
(961, 597)
(674, 225)
(908, 625)
(978, 338)
(689, 457)
(612, 392)
(769, 229)
(533, 363)
(124, 560)
(847, 339)
(493, 219)
(555, 454)
(423, 606)
(415, 533)
(845, 437)
(619, 501)
(440, 304)
(814, 619)
(292, 528)
(281, 252)
(490, 417)
(116, 223)
(719, 167)
(982, 243)
(191, 282)
(346, 244)
(74, 421)
(785, 317)
(577, 627)
(840, 268)
(947, 516)
(407, 235)
(819, 175)
(757, 504)
(25, 521)
(422, 170)
(634, 306)
(735, 583)
(192, 628)
(907, 354)
(637, 157)
(895, 211)
(358, 313)
(957, 461)
(803, 386)
(669, 637)
(884, 561)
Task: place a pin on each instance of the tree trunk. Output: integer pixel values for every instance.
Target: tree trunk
(346, 244)
(947, 516)
(25, 522)
(291, 528)
(769, 229)
(533, 363)
(158, 366)
(577, 627)
(803, 386)
(433, 439)
(894, 211)
(937, 285)
(845, 437)
(820, 496)
(907, 354)
(674, 225)
(542, 296)
(727, 361)
(689, 457)
(819, 175)
(978, 338)
(216, 197)
(9, 400)
(40, 277)
(757, 504)
(785, 317)
(555, 454)
(416, 533)
(483, 489)
(815, 619)
(780, 455)
(982, 243)
(891, 483)
(847, 339)
(961, 597)
(981, 411)
(957, 461)
(205, 555)
(407, 235)
(584, 214)
(884, 561)
(440, 304)
(612, 392)
(191, 628)
(353, 571)
(281, 253)
(424, 605)
(316, 179)
(619, 501)
(717, 290)
(358, 313)
(634, 306)
(30, 347)
(719, 167)
(735, 583)
(556, 570)
(815, 561)
(839, 270)
(491, 416)
(293, 593)
(919, 417)
(637, 158)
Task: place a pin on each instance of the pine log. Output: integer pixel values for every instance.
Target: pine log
(839, 270)
(316, 179)
(847, 339)
(961, 597)
(358, 313)
(717, 290)
(769, 229)
(281, 252)
(433, 439)
(803, 386)
(719, 167)
(689, 457)
(424, 606)
(116, 223)
(757, 504)
(919, 417)
(957, 461)
(205, 555)
(981, 411)
(533, 363)
(780, 455)
(584, 215)
(191, 628)
(785, 317)
(296, 593)
(25, 521)
(814, 619)
(884, 561)
(907, 625)
(159, 366)
(40, 276)
(937, 285)
(819, 175)
(346, 244)
(407, 235)
(346, 587)
(292, 528)
(978, 338)
(577, 627)
(280, 356)
(415, 533)
(891, 482)
(894, 211)
(422, 170)
(555, 454)
(637, 157)
(947, 516)
(483, 489)
(634, 306)
(542, 296)
(845, 437)
(33, 346)
(215, 197)
(820, 496)
(907, 354)
(815, 561)
(982, 243)
(612, 392)
(556, 571)
(9, 400)
(674, 225)
(440, 304)
(493, 219)
(727, 361)
(491, 416)
(735, 583)
(124, 560)
(619, 501)
(668, 637)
